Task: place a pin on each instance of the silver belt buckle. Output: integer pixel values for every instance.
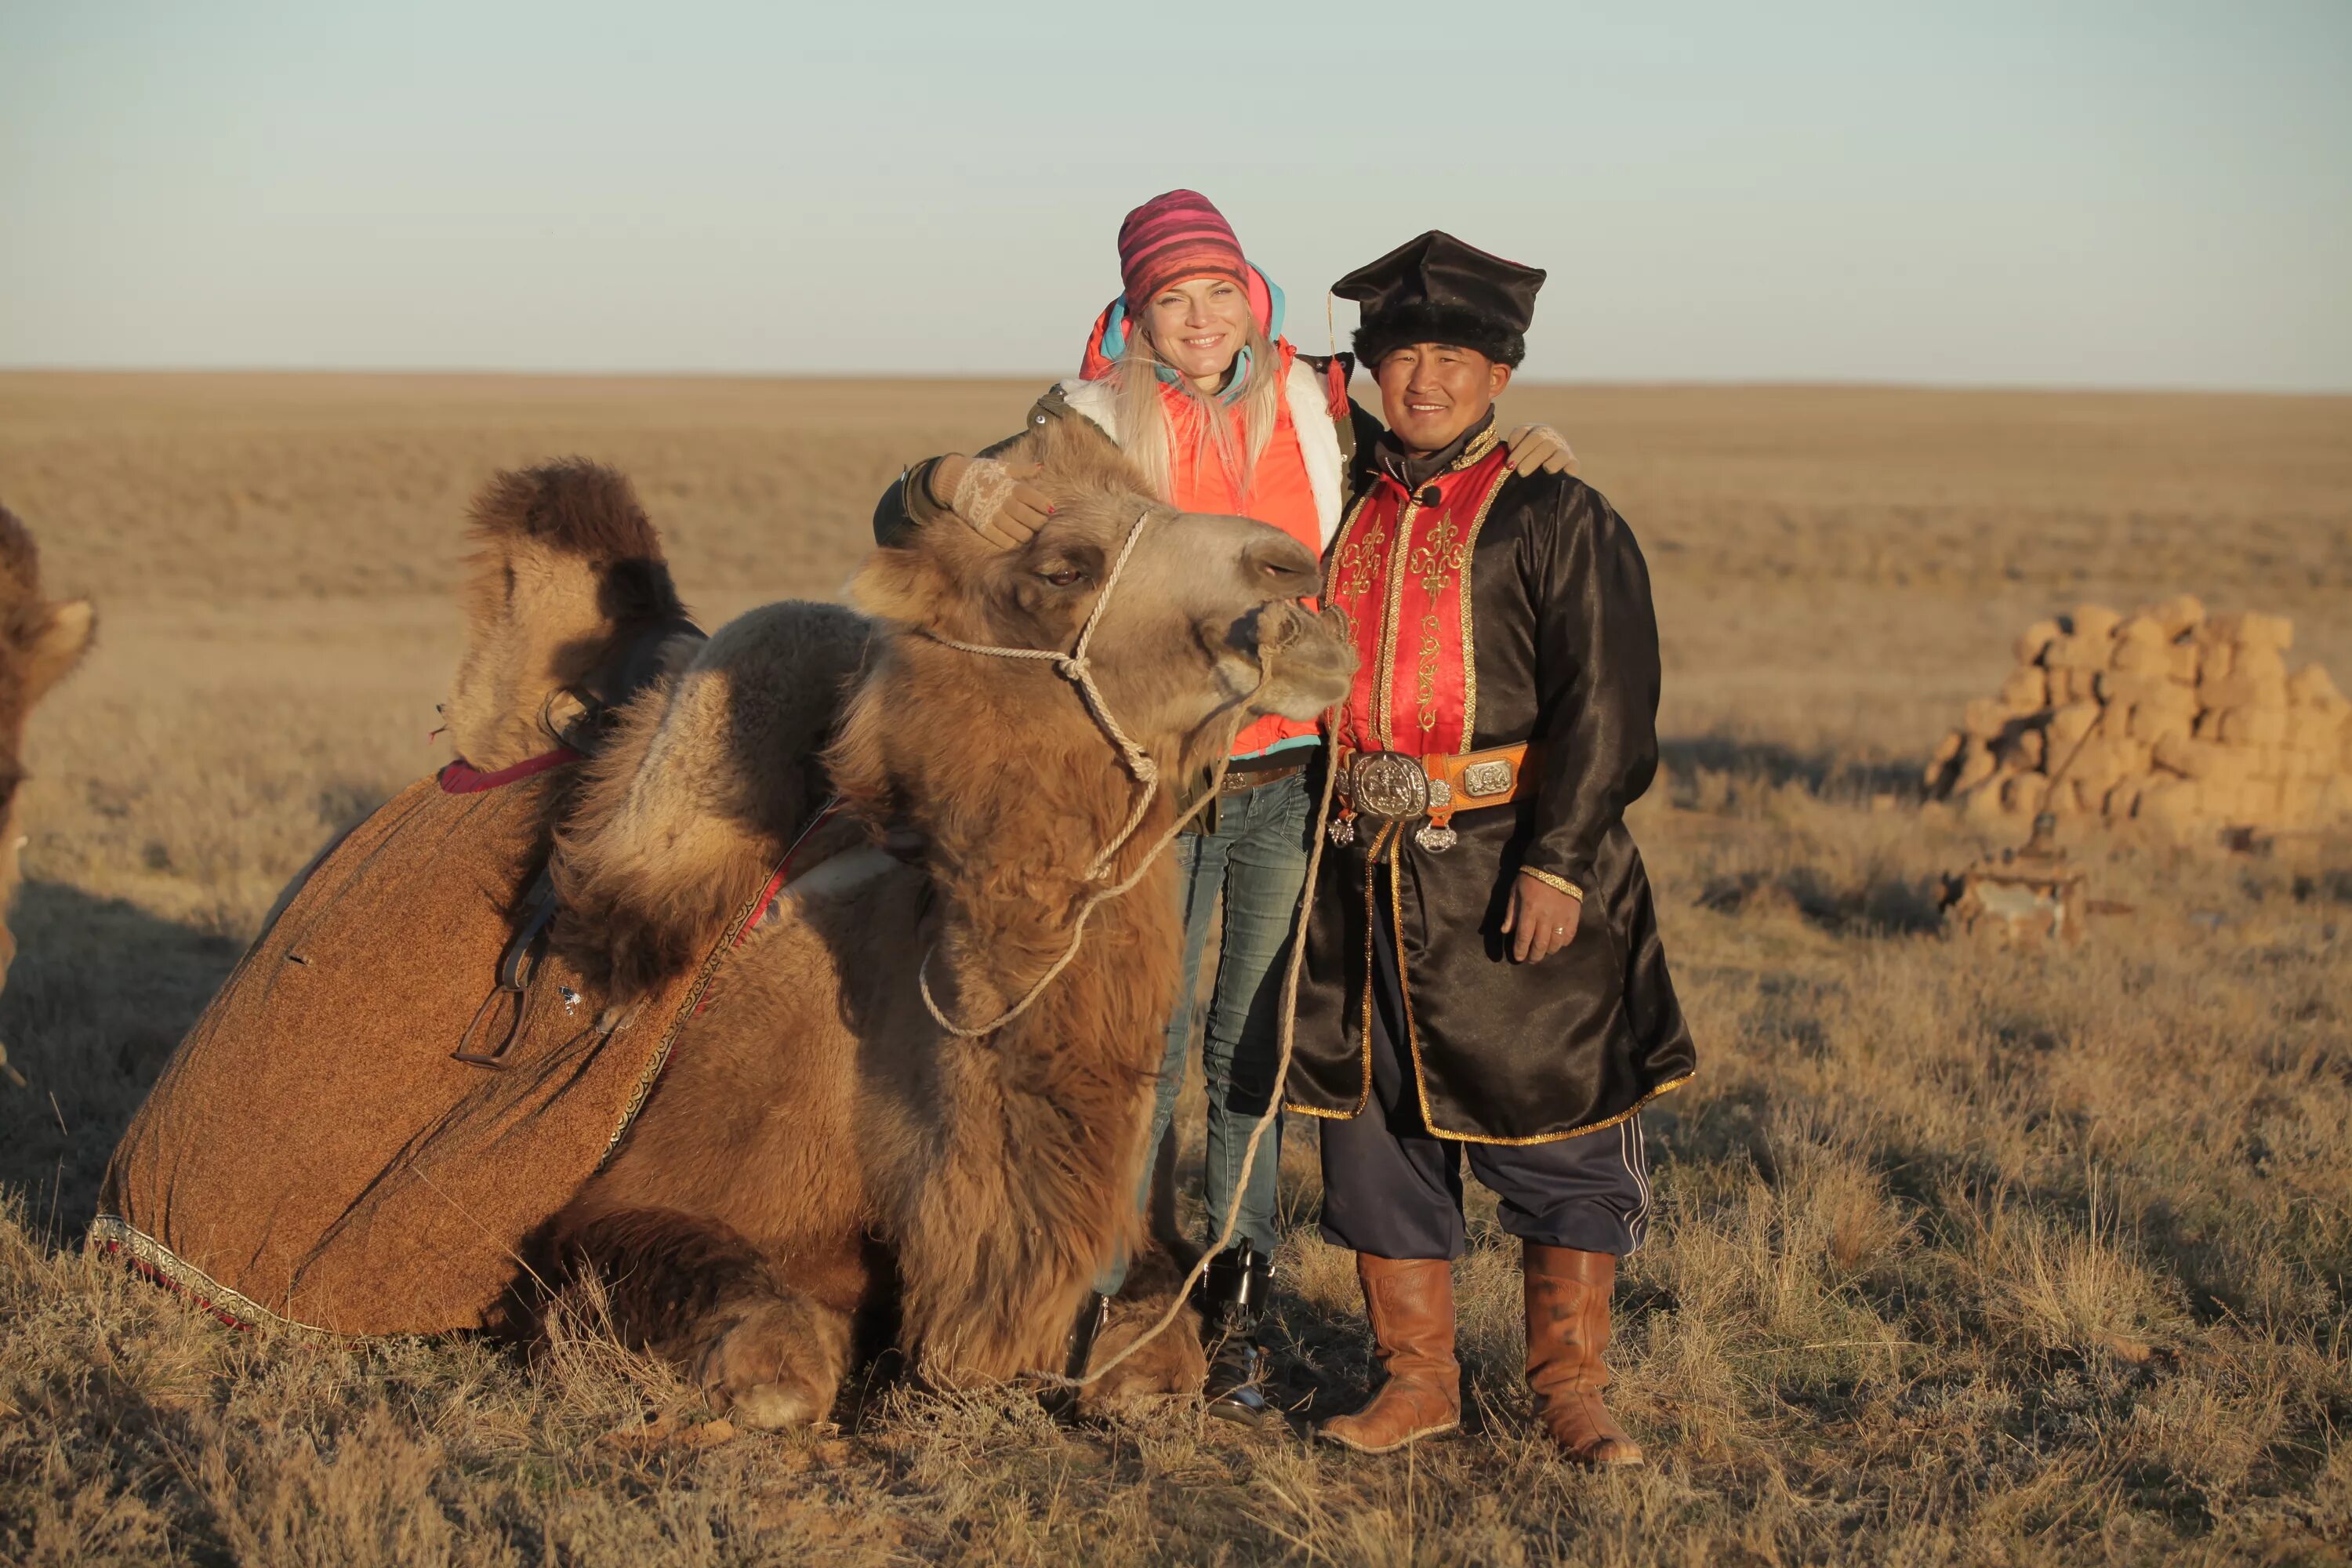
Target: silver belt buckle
(1391, 788)
(1492, 777)
(1388, 786)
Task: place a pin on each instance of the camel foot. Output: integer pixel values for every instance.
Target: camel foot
(1172, 1363)
(778, 1363)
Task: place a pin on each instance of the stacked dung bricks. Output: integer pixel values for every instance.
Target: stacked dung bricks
(2166, 715)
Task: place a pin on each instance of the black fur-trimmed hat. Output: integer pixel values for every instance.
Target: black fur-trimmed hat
(1436, 290)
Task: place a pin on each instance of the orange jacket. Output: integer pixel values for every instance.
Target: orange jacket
(1278, 493)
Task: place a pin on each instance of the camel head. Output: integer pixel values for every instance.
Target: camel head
(40, 641)
(566, 578)
(1203, 632)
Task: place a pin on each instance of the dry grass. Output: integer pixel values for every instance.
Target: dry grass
(1965, 1256)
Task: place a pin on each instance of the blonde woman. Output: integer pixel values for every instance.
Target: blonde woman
(1188, 372)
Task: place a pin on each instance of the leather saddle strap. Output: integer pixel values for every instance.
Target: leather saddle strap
(630, 671)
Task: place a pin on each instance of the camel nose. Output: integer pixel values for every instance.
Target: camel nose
(1281, 567)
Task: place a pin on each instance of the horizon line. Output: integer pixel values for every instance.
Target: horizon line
(1724, 384)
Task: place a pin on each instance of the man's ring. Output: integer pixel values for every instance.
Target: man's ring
(1559, 930)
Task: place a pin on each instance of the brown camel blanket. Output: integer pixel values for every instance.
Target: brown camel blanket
(315, 1154)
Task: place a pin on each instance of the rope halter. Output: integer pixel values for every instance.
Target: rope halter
(1076, 668)
(1078, 671)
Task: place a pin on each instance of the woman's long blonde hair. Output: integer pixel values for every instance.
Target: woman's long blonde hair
(1144, 433)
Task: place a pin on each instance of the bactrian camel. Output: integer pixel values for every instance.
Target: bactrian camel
(40, 641)
(821, 1155)
(787, 1081)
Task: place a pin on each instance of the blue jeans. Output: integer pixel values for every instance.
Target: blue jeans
(1257, 858)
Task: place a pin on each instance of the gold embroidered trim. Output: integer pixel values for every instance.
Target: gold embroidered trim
(1404, 992)
(1476, 452)
(1469, 615)
(1424, 694)
(111, 1233)
(1385, 840)
(1420, 1081)
(1340, 540)
(1440, 555)
(1364, 1023)
(1627, 1114)
(1341, 543)
(1348, 556)
(1548, 880)
(1384, 680)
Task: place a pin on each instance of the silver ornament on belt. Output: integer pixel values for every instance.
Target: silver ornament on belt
(1388, 786)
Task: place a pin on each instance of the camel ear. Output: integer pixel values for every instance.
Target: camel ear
(487, 589)
(59, 645)
(896, 585)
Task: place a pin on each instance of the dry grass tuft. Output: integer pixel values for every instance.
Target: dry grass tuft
(1963, 1257)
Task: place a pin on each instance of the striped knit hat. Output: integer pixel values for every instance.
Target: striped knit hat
(1174, 237)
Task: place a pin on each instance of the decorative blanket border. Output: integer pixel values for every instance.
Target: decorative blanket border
(113, 1236)
(698, 995)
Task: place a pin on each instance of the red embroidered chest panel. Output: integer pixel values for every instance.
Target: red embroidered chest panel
(1399, 572)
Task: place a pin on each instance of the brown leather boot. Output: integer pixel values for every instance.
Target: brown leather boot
(1411, 1303)
(1567, 1334)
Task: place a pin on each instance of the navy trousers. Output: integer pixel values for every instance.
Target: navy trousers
(1393, 1188)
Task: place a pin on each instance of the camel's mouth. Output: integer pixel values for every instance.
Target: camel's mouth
(1307, 660)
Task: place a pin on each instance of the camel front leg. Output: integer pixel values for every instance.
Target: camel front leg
(982, 1306)
(697, 1294)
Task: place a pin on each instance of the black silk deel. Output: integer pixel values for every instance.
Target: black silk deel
(1566, 653)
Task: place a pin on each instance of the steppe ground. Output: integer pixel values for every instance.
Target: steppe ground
(1962, 1257)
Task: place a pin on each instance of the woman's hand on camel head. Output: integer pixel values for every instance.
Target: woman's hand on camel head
(993, 500)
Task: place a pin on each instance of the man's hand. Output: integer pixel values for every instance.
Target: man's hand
(992, 499)
(1539, 447)
(1541, 920)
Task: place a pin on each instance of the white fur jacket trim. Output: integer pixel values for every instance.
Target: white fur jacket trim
(1310, 413)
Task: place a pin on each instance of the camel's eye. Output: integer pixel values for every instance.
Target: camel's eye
(1059, 566)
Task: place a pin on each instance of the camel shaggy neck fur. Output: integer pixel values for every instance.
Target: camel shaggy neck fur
(1049, 1144)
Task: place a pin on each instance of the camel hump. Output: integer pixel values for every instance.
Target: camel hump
(572, 506)
(564, 577)
(695, 798)
(20, 563)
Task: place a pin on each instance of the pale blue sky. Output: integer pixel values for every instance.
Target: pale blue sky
(2084, 194)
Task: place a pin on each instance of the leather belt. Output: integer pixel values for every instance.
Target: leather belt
(1238, 783)
(1392, 788)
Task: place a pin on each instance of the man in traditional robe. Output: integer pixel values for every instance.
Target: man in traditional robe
(1483, 977)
